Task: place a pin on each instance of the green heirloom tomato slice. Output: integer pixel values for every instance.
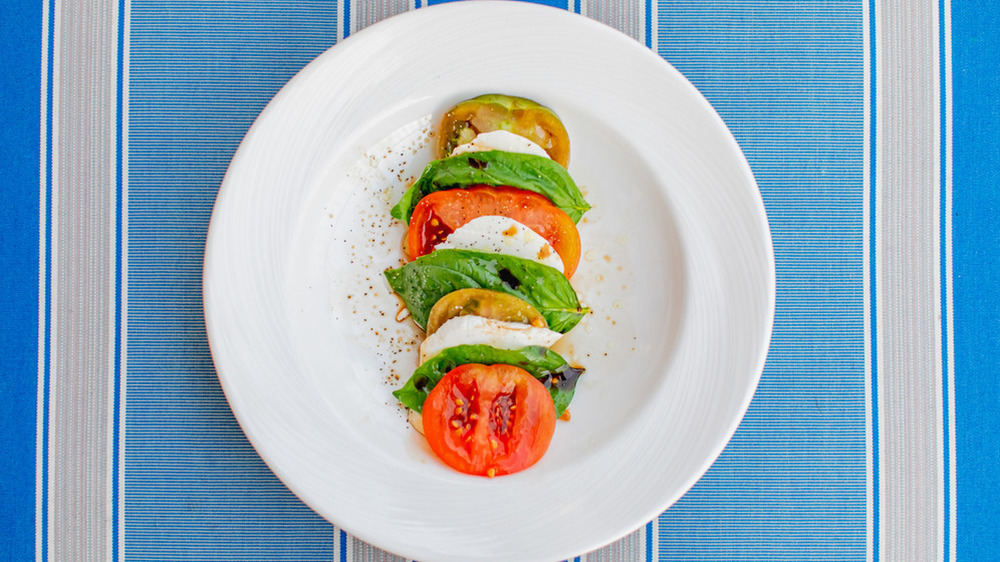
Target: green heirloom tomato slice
(498, 112)
(485, 303)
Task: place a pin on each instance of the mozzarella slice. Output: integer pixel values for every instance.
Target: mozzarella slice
(477, 330)
(501, 140)
(502, 235)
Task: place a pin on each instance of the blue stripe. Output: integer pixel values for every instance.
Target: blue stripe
(20, 59)
(648, 7)
(347, 17)
(649, 541)
(342, 540)
(120, 182)
(976, 269)
(789, 81)
(873, 272)
(47, 275)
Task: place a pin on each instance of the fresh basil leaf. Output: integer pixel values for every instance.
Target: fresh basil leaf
(496, 167)
(543, 363)
(422, 282)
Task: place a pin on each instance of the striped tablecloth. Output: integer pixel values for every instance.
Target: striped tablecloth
(873, 129)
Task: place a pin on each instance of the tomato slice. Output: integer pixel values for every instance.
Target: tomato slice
(493, 112)
(440, 213)
(485, 303)
(489, 420)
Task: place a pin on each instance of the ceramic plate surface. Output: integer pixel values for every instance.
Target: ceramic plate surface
(306, 335)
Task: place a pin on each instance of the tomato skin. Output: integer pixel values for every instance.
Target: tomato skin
(496, 112)
(440, 213)
(489, 420)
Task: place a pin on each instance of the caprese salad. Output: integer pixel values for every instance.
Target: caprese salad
(491, 246)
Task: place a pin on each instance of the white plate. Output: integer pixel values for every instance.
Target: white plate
(678, 267)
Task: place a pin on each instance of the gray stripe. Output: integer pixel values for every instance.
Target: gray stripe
(909, 356)
(627, 16)
(367, 12)
(362, 551)
(82, 279)
(632, 547)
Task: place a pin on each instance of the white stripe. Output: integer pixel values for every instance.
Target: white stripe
(43, 175)
(641, 32)
(336, 544)
(339, 34)
(53, 274)
(949, 276)
(353, 14)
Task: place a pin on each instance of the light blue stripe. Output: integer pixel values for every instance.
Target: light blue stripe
(788, 79)
(199, 74)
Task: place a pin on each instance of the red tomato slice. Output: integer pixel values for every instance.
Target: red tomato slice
(440, 213)
(489, 420)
